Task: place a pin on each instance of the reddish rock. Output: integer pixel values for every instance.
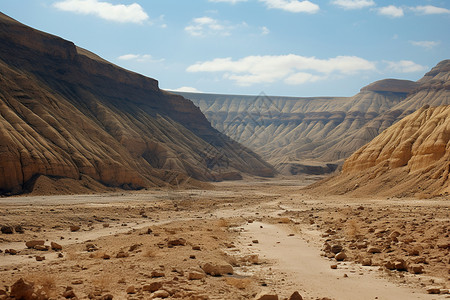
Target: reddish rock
(22, 290)
(32, 244)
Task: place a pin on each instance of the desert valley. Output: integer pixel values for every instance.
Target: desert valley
(112, 188)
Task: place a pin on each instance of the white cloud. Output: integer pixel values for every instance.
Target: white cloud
(425, 44)
(265, 30)
(289, 68)
(228, 1)
(430, 10)
(391, 11)
(293, 5)
(353, 4)
(404, 66)
(139, 58)
(207, 26)
(188, 89)
(122, 13)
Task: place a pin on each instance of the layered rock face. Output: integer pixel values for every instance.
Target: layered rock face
(316, 135)
(410, 158)
(65, 112)
(302, 135)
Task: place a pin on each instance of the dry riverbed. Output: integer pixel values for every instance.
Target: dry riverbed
(240, 240)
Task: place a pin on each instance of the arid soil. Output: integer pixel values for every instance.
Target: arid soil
(239, 240)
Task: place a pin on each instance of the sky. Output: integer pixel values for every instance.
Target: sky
(279, 47)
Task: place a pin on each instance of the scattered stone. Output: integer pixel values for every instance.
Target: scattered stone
(22, 290)
(31, 244)
(134, 247)
(192, 257)
(366, 262)
(122, 254)
(152, 287)
(69, 293)
(197, 248)
(176, 242)
(400, 265)
(251, 258)
(40, 258)
(373, 250)
(107, 297)
(19, 229)
(416, 269)
(74, 228)
(77, 282)
(6, 229)
(161, 294)
(156, 274)
(106, 256)
(296, 296)
(105, 225)
(336, 249)
(11, 251)
(91, 247)
(267, 297)
(41, 247)
(255, 241)
(131, 290)
(217, 270)
(433, 290)
(149, 231)
(340, 256)
(56, 246)
(333, 267)
(196, 275)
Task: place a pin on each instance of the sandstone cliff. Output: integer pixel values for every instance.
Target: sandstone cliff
(66, 113)
(410, 158)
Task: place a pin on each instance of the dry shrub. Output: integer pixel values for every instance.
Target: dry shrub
(240, 283)
(223, 223)
(44, 282)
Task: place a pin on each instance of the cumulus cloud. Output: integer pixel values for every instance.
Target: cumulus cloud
(188, 89)
(353, 4)
(265, 30)
(425, 44)
(228, 1)
(430, 10)
(391, 11)
(288, 68)
(294, 6)
(404, 66)
(139, 58)
(207, 26)
(132, 13)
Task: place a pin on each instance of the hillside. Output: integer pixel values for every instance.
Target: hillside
(410, 158)
(66, 113)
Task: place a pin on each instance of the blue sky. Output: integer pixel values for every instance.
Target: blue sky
(280, 47)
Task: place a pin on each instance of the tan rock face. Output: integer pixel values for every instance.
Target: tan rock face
(412, 156)
(66, 113)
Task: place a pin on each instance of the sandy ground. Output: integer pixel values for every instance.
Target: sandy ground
(273, 237)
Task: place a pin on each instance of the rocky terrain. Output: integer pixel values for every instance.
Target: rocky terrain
(242, 240)
(410, 158)
(316, 135)
(65, 113)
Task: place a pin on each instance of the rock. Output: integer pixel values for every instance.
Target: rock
(161, 294)
(134, 247)
(107, 297)
(156, 274)
(366, 262)
(176, 242)
(74, 228)
(373, 250)
(433, 290)
(296, 296)
(340, 256)
(400, 265)
(197, 248)
(268, 297)
(251, 258)
(18, 229)
(32, 244)
(336, 249)
(6, 229)
(55, 246)
(255, 241)
(416, 269)
(122, 254)
(106, 256)
(22, 290)
(69, 293)
(389, 265)
(196, 275)
(91, 247)
(41, 247)
(77, 282)
(217, 270)
(334, 267)
(40, 258)
(11, 251)
(152, 287)
(131, 290)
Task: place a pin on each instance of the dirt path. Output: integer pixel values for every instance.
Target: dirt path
(304, 268)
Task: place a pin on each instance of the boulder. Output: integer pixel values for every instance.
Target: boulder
(56, 246)
(7, 229)
(340, 256)
(336, 249)
(196, 275)
(152, 287)
(217, 269)
(32, 244)
(373, 250)
(296, 296)
(267, 297)
(22, 290)
(416, 269)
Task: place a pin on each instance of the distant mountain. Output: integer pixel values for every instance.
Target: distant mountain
(315, 135)
(67, 113)
(410, 158)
